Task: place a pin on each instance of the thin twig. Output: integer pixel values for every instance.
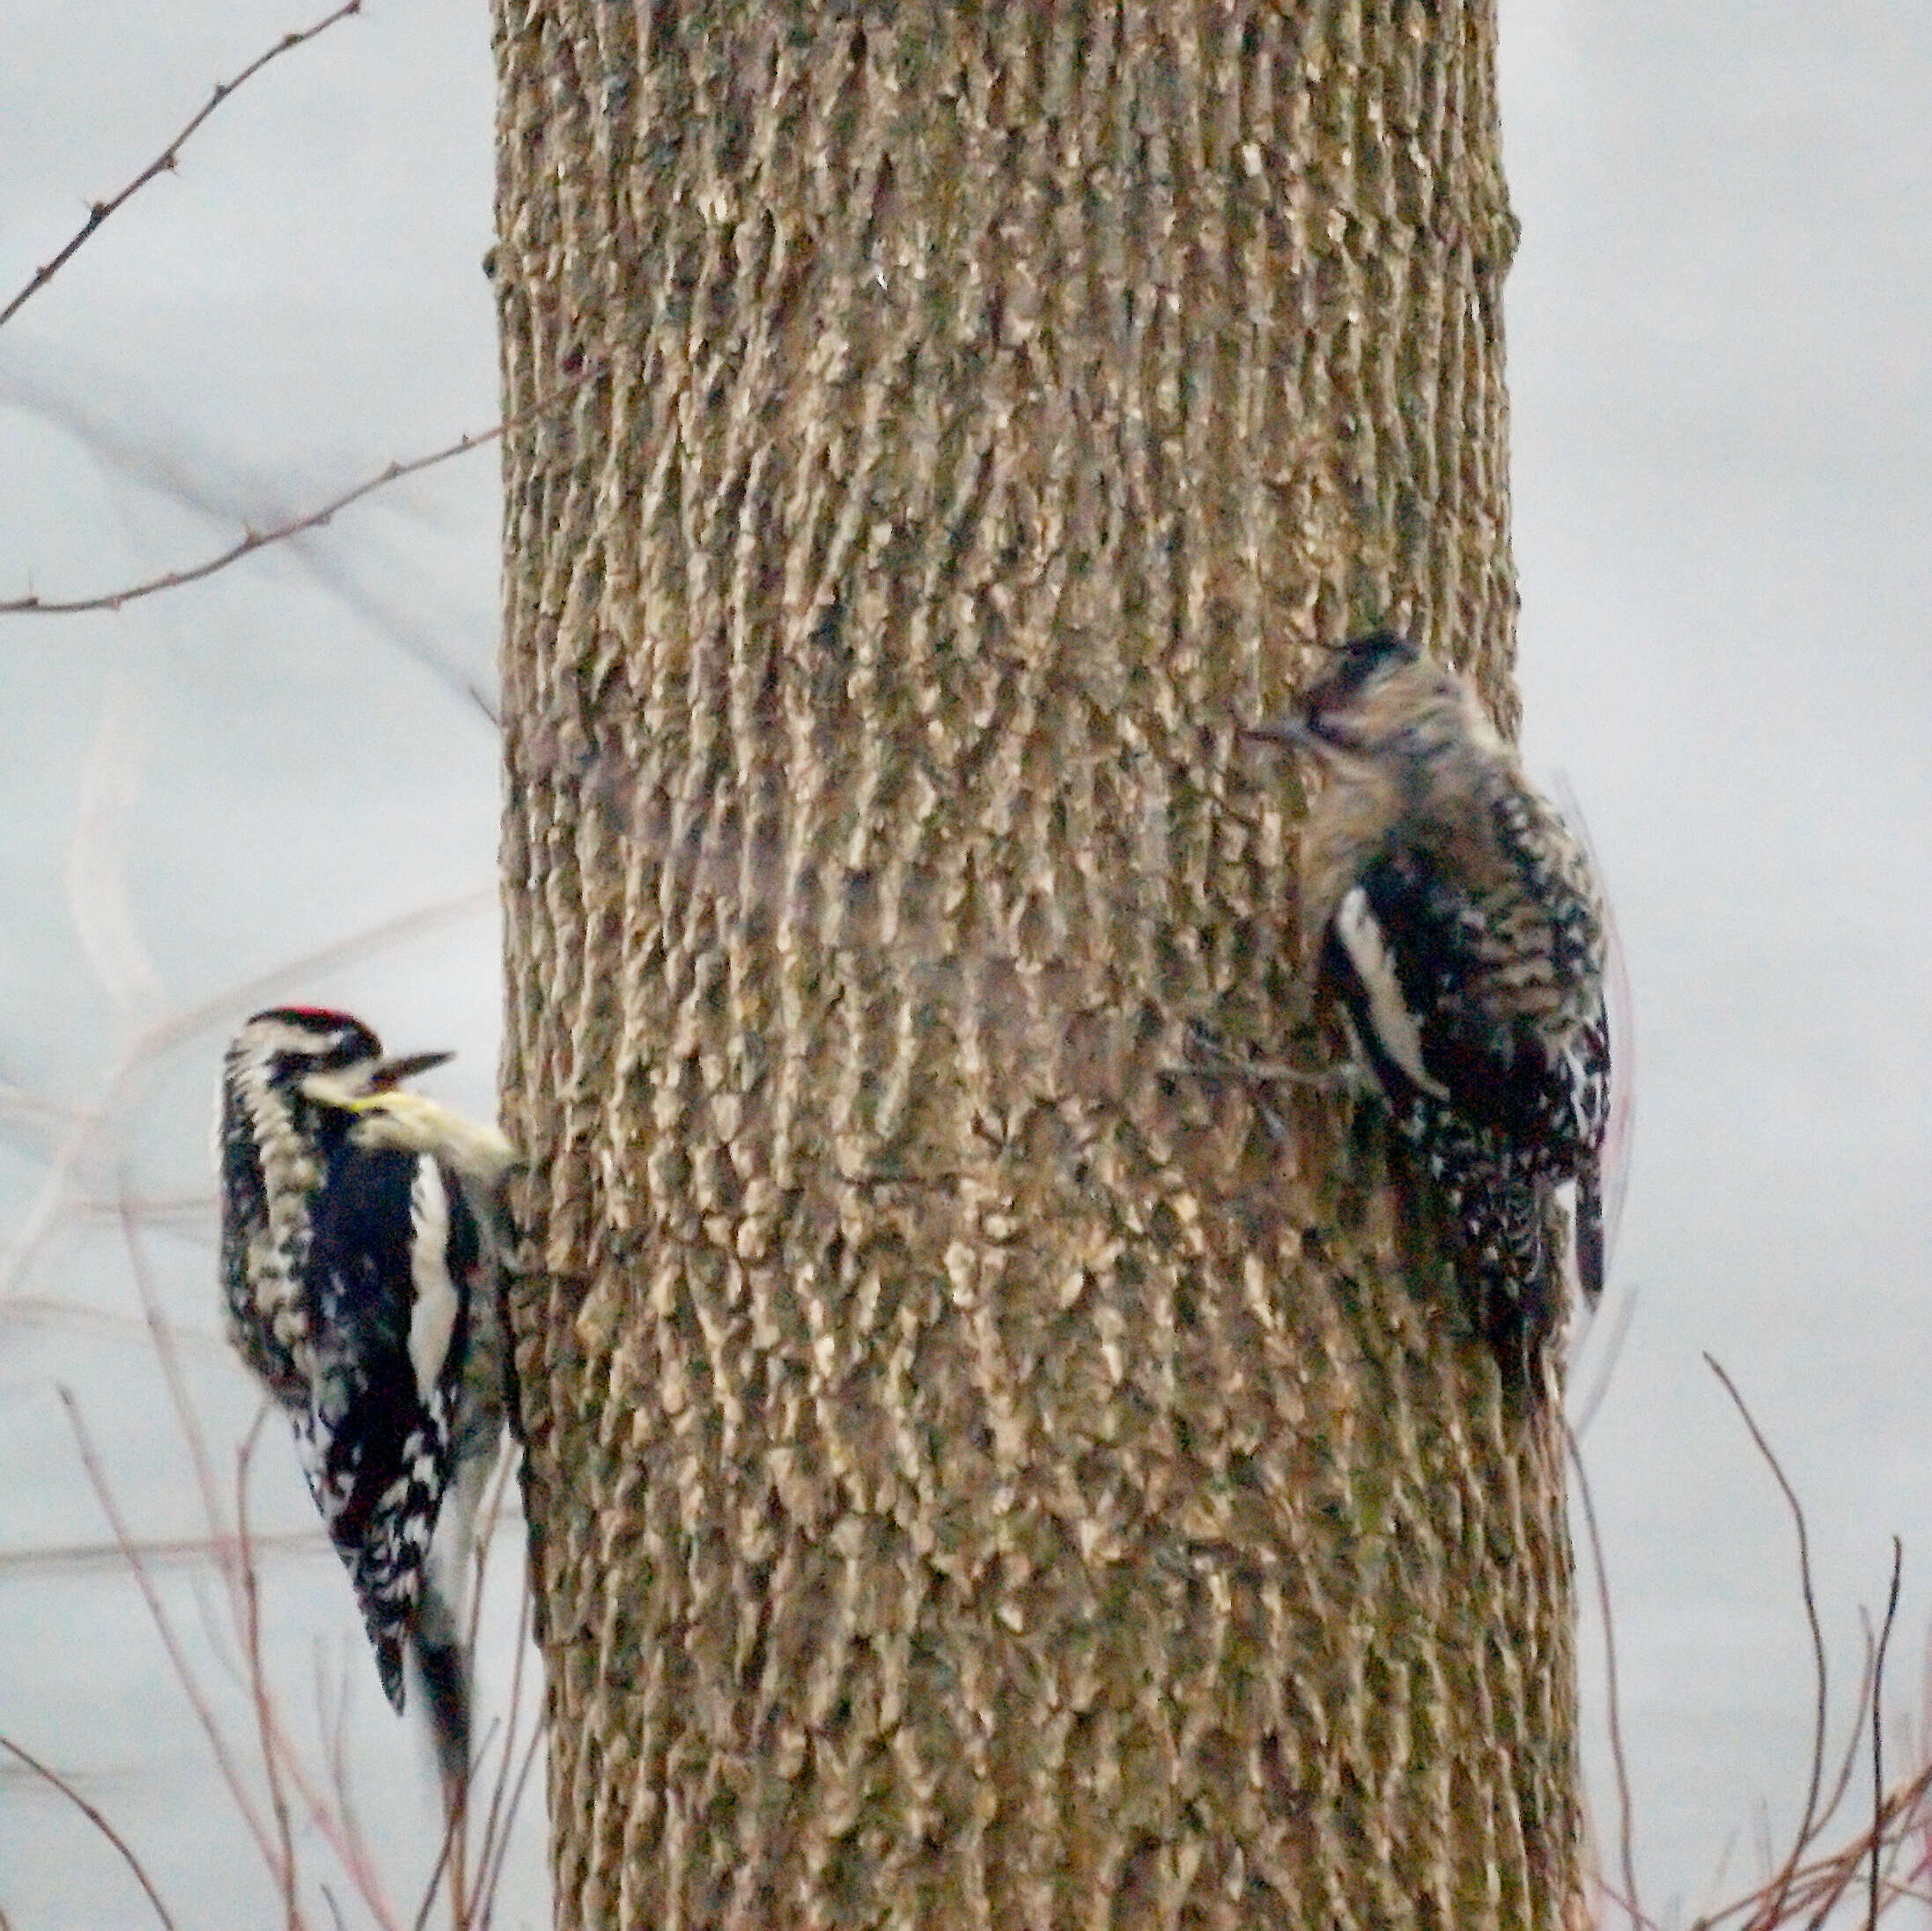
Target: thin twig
(336, 1729)
(165, 161)
(1624, 1828)
(258, 1682)
(1878, 1727)
(469, 1906)
(1809, 1820)
(1721, 1871)
(488, 1902)
(94, 1818)
(127, 437)
(1854, 1738)
(198, 1550)
(251, 540)
(351, 1841)
(1855, 1734)
(33, 605)
(490, 1514)
(447, 1851)
(502, 1815)
(161, 1337)
(234, 1559)
(230, 1773)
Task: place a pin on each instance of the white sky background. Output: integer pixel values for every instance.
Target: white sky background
(1721, 363)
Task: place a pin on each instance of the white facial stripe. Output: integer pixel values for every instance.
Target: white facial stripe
(1396, 1029)
(267, 1036)
(433, 1317)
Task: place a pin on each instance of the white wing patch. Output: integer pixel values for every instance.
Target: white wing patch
(1395, 1028)
(433, 1319)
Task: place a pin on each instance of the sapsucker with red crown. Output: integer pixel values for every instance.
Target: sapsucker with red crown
(362, 1243)
(1458, 924)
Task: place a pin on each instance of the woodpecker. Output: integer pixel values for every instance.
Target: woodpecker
(363, 1241)
(1458, 925)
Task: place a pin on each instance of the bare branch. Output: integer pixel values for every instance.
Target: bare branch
(130, 435)
(1809, 1822)
(251, 540)
(1828, 1808)
(487, 1909)
(94, 1818)
(231, 1774)
(258, 1681)
(234, 1558)
(449, 1855)
(1878, 1730)
(503, 1800)
(52, 1558)
(169, 157)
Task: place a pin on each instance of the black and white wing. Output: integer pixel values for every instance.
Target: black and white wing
(1485, 1043)
(392, 1250)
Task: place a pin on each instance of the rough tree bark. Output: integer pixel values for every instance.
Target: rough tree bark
(993, 1458)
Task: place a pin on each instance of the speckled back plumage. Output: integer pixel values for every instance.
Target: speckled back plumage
(1459, 924)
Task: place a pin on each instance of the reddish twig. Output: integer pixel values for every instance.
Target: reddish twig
(102, 211)
(489, 1516)
(450, 1852)
(230, 1773)
(1830, 1804)
(94, 1818)
(1809, 1822)
(504, 1801)
(161, 1337)
(470, 1905)
(235, 1559)
(52, 1558)
(266, 1728)
(489, 1895)
(350, 1819)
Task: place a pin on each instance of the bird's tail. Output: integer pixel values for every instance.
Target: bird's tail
(442, 1661)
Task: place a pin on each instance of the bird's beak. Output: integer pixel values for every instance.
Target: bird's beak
(389, 1073)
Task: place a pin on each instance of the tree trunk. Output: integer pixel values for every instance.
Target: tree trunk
(995, 1456)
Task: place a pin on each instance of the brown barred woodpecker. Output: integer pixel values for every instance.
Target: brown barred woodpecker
(363, 1234)
(1459, 925)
